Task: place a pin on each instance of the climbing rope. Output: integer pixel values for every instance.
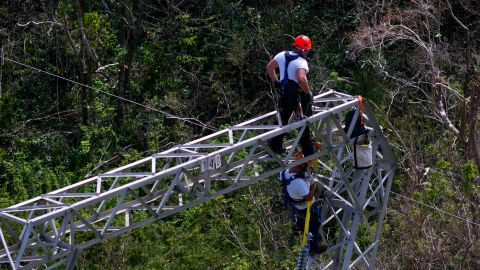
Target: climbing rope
(309, 204)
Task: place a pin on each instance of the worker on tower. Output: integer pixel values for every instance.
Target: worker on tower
(299, 188)
(293, 89)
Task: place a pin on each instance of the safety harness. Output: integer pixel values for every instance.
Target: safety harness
(287, 200)
(288, 58)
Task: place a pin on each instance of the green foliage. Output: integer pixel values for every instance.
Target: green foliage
(469, 172)
(368, 85)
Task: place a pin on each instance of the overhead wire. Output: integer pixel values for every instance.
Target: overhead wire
(437, 209)
(192, 121)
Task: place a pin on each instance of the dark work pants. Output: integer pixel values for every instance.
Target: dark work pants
(288, 102)
(314, 224)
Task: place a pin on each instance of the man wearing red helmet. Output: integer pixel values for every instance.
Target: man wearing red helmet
(293, 89)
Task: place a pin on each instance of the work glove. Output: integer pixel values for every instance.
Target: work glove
(310, 96)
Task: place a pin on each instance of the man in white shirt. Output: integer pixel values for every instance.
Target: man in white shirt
(293, 89)
(300, 189)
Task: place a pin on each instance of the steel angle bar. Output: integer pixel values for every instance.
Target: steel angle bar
(332, 99)
(109, 230)
(5, 247)
(348, 156)
(187, 155)
(256, 119)
(381, 216)
(11, 232)
(325, 166)
(208, 137)
(350, 190)
(114, 211)
(295, 142)
(330, 217)
(29, 258)
(344, 230)
(361, 256)
(37, 261)
(343, 205)
(72, 258)
(272, 154)
(374, 193)
(56, 264)
(39, 243)
(340, 197)
(229, 179)
(340, 94)
(186, 150)
(339, 127)
(70, 195)
(374, 244)
(246, 162)
(353, 229)
(102, 203)
(60, 235)
(130, 174)
(142, 202)
(213, 145)
(365, 219)
(239, 140)
(23, 245)
(255, 127)
(13, 218)
(167, 194)
(327, 266)
(33, 200)
(153, 169)
(54, 201)
(33, 207)
(88, 225)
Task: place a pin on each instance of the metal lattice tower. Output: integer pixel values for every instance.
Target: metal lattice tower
(50, 230)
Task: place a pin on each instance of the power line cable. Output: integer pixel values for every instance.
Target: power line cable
(188, 120)
(437, 209)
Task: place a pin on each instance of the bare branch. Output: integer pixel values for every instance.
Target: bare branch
(38, 23)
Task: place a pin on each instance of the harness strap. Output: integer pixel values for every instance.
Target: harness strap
(288, 58)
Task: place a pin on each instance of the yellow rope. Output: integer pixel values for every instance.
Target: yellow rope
(309, 205)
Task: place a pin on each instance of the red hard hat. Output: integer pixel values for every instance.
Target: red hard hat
(303, 42)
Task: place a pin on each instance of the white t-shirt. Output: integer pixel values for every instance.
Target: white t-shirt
(297, 189)
(300, 62)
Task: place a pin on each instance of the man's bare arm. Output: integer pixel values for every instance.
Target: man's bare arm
(271, 70)
(302, 80)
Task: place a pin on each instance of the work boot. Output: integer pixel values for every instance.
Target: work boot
(316, 249)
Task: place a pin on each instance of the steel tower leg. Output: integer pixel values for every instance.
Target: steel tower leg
(72, 258)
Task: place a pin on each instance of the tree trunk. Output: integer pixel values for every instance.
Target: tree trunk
(130, 34)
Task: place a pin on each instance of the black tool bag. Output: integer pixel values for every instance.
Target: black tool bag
(358, 129)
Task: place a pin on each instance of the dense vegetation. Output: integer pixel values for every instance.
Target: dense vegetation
(418, 62)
